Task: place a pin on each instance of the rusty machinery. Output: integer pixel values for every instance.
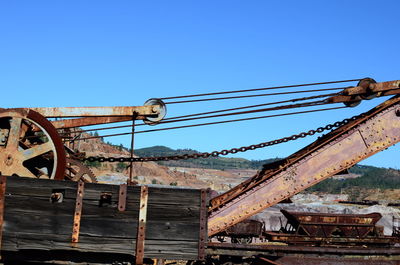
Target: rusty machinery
(352, 141)
(315, 229)
(31, 146)
(318, 238)
(328, 229)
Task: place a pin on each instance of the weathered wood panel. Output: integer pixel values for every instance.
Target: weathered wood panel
(33, 222)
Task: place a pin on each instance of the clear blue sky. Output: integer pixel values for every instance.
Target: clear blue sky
(116, 53)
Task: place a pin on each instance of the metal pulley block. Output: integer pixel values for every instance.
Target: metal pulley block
(366, 84)
(159, 109)
(367, 93)
(367, 88)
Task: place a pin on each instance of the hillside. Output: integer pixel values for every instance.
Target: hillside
(221, 163)
(223, 173)
(143, 173)
(369, 177)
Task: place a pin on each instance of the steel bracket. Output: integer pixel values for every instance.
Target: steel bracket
(141, 231)
(122, 197)
(203, 224)
(78, 212)
(3, 180)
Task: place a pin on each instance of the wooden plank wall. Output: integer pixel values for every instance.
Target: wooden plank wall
(33, 222)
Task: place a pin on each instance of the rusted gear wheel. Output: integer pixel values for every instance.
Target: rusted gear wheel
(77, 171)
(30, 145)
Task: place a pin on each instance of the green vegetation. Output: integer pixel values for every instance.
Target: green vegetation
(370, 178)
(95, 164)
(220, 163)
(121, 166)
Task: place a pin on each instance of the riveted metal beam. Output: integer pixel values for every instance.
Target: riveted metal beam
(141, 231)
(68, 112)
(342, 148)
(79, 122)
(203, 225)
(78, 212)
(122, 197)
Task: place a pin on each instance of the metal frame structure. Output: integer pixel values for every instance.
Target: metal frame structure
(340, 149)
(351, 142)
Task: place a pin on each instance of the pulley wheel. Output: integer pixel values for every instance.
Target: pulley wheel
(365, 82)
(30, 146)
(355, 101)
(154, 119)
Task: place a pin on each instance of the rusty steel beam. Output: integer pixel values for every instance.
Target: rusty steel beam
(214, 248)
(306, 260)
(70, 112)
(332, 240)
(340, 149)
(367, 89)
(372, 88)
(343, 98)
(78, 213)
(87, 121)
(141, 229)
(203, 225)
(122, 197)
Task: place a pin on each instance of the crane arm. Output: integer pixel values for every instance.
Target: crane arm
(340, 149)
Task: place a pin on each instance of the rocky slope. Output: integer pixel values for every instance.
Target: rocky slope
(143, 172)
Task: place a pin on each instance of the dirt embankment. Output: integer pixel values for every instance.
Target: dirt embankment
(149, 172)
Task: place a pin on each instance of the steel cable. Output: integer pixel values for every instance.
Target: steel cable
(210, 123)
(180, 118)
(257, 95)
(259, 89)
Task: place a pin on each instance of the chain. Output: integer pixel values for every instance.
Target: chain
(222, 152)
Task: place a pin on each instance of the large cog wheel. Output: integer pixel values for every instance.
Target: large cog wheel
(76, 171)
(30, 145)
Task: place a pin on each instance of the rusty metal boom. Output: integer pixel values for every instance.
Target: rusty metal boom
(342, 148)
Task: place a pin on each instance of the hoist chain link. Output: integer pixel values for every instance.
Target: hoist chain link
(222, 152)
